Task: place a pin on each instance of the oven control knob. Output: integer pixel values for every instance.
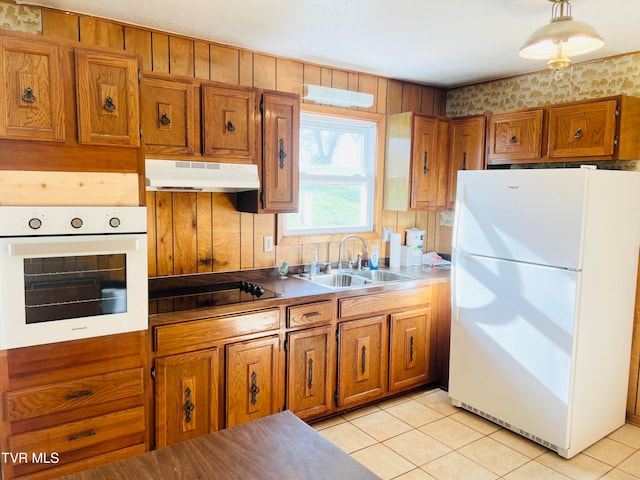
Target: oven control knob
(76, 222)
(35, 223)
(114, 222)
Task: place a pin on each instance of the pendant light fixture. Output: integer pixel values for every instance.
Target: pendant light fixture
(561, 39)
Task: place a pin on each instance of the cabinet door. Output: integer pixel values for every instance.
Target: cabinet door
(515, 136)
(186, 396)
(252, 380)
(429, 163)
(362, 360)
(582, 130)
(410, 349)
(32, 99)
(228, 119)
(467, 150)
(168, 116)
(108, 101)
(281, 127)
(309, 384)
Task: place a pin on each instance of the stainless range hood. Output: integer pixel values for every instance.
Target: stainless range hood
(185, 176)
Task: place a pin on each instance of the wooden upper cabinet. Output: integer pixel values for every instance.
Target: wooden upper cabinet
(582, 130)
(32, 94)
(108, 99)
(280, 129)
(228, 122)
(516, 136)
(416, 162)
(168, 108)
(429, 166)
(466, 152)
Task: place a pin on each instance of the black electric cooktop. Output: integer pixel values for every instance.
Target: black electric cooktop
(206, 296)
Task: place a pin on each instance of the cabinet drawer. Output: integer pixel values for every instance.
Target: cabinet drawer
(381, 302)
(317, 313)
(71, 439)
(37, 401)
(74, 435)
(199, 334)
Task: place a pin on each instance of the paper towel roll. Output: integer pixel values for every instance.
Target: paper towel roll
(395, 250)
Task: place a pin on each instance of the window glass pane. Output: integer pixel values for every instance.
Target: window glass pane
(331, 206)
(325, 151)
(337, 160)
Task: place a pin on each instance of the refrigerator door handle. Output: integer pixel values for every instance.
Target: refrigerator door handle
(460, 201)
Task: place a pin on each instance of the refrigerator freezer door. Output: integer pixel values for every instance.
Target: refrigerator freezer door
(534, 216)
(512, 337)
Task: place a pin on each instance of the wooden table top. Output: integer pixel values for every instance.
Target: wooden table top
(280, 446)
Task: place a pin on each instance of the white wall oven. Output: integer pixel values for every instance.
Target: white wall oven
(68, 273)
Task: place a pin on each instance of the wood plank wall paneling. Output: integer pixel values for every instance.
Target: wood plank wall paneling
(191, 233)
(224, 64)
(181, 56)
(61, 25)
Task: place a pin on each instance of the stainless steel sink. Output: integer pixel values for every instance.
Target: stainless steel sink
(364, 278)
(337, 280)
(380, 276)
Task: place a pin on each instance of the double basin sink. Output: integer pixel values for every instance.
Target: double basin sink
(356, 278)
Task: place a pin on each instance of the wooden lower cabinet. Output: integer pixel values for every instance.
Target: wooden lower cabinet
(74, 405)
(310, 369)
(362, 360)
(410, 340)
(186, 396)
(253, 376)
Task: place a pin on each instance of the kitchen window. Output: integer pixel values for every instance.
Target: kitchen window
(337, 176)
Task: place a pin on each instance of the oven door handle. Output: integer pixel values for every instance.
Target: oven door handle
(74, 247)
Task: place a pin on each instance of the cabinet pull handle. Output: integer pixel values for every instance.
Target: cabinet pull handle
(311, 314)
(83, 393)
(109, 106)
(188, 405)
(513, 139)
(230, 126)
(28, 95)
(283, 154)
(363, 359)
(578, 133)
(78, 436)
(411, 349)
(464, 160)
(255, 390)
(310, 376)
(164, 119)
(425, 169)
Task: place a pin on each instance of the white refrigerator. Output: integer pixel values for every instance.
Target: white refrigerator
(543, 291)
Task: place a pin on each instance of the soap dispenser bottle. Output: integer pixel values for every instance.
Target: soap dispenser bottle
(374, 261)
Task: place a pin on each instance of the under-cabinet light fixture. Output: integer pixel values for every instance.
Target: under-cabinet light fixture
(336, 96)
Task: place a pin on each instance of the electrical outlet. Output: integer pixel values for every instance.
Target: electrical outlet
(267, 243)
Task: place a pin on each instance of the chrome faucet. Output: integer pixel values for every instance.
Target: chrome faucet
(366, 250)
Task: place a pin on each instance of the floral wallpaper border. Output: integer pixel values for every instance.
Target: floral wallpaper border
(20, 18)
(599, 78)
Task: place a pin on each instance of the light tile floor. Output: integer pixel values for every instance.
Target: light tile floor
(421, 436)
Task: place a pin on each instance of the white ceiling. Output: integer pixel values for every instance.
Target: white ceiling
(441, 43)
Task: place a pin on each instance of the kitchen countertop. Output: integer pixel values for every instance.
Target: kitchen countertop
(288, 290)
